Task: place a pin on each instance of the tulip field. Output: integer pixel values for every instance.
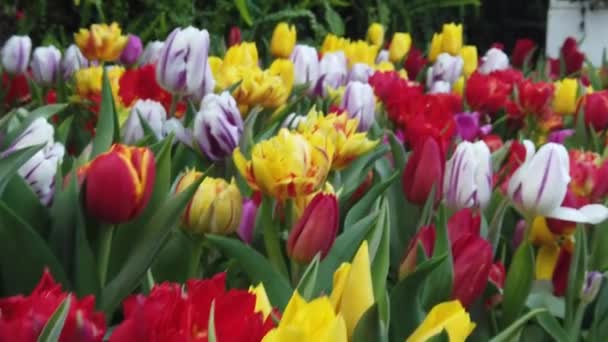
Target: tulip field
(373, 188)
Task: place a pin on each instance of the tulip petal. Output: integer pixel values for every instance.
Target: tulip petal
(546, 261)
(593, 213)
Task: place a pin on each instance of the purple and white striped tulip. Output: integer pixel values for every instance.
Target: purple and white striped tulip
(45, 64)
(149, 110)
(333, 72)
(39, 132)
(468, 176)
(383, 56)
(360, 72)
(306, 65)
(494, 60)
(16, 54)
(132, 50)
(440, 87)
(447, 68)
(151, 53)
(182, 65)
(360, 103)
(73, 60)
(218, 125)
(539, 185)
(176, 127)
(39, 171)
(206, 87)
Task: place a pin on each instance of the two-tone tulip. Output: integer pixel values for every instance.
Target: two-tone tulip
(16, 54)
(132, 50)
(447, 68)
(215, 207)
(494, 60)
(39, 171)
(218, 125)
(400, 46)
(538, 187)
(148, 110)
(119, 183)
(39, 132)
(45, 64)
(360, 72)
(332, 72)
(315, 232)
(183, 60)
(360, 103)
(101, 42)
(207, 87)
(424, 169)
(152, 52)
(468, 177)
(306, 65)
(73, 60)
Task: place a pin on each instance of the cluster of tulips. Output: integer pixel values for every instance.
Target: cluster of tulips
(359, 190)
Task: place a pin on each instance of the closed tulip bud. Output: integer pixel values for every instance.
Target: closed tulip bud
(16, 54)
(375, 34)
(119, 183)
(183, 60)
(400, 46)
(451, 38)
(468, 176)
(45, 64)
(218, 125)
(596, 110)
(469, 56)
(39, 132)
(247, 224)
(315, 232)
(425, 168)
(306, 65)
(283, 40)
(215, 207)
(591, 287)
(332, 72)
(133, 49)
(472, 262)
(424, 237)
(73, 60)
(148, 110)
(493, 60)
(39, 171)
(151, 53)
(360, 103)
(467, 125)
(446, 68)
(360, 72)
(522, 52)
(564, 100)
(234, 36)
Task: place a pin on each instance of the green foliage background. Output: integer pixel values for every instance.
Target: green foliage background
(486, 21)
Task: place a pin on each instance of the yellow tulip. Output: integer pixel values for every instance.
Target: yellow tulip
(284, 166)
(550, 245)
(283, 40)
(385, 66)
(352, 292)
(283, 68)
(451, 41)
(469, 56)
(101, 42)
(313, 321)
(564, 100)
(215, 207)
(244, 54)
(375, 34)
(458, 86)
(262, 304)
(449, 316)
(89, 81)
(341, 131)
(360, 52)
(260, 88)
(334, 43)
(400, 46)
(436, 46)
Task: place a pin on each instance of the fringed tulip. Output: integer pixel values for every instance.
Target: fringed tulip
(101, 42)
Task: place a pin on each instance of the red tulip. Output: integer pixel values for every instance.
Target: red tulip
(234, 36)
(119, 183)
(560, 273)
(535, 98)
(472, 259)
(426, 237)
(486, 93)
(596, 110)
(315, 232)
(523, 50)
(497, 278)
(424, 169)
(572, 56)
(414, 63)
(16, 89)
(493, 141)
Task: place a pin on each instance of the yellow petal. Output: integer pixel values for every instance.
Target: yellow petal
(540, 232)
(546, 261)
(450, 316)
(262, 304)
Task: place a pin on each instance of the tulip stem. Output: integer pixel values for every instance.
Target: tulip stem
(195, 260)
(271, 237)
(575, 328)
(105, 247)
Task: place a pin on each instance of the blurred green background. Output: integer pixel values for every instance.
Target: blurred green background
(485, 21)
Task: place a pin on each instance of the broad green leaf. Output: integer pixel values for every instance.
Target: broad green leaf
(362, 207)
(518, 283)
(599, 252)
(241, 5)
(63, 131)
(257, 268)
(576, 275)
(397, 151)
(107, 123)
(599, 326)
(552, 326)
(18, 195)
(512, 330)
(53, 327)
(380, 258)
(272, 239)
(352, 176)
(334, 21)
(308, 283)
(427, 210)
(370, 327)
(439, 284)
(246, 143)
(11, 163)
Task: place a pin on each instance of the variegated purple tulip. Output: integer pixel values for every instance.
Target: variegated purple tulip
(183, 60)
(39, 132)
(132, 50)
(16, 54)
(440, 87)
(306, 65)
(218, 125)
(46, 64)
(73, 60)
(360, 103)
(494, 60)
(591, 287)
(151, 53)
(152, 112)
(447, 68)
(247, 224)
(332, 72)
(539, 185)
(39, 171)
(468, 176)
(206, 87)
(360, 72)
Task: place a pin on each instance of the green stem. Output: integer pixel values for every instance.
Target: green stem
(195, 260)
(271, 238)
(105, 247)
(99, 8)
(575, 328)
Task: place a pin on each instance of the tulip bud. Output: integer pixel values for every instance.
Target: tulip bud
(45, 64)
(306, 65)
(132, 50)
(560, 136)
(316, 230)
(332, 72)
(494, 60)
(149, 110)
(523, 50)
(360, 103)
(596, 110)
(468, 176)
(497, 278)
(176, 127)
(414, 63)
(472, 262)
(425, 237)
(151, 53)
(234, 37)
(564, 100)
(16, 54)
(446, 68)
(119, 183)
(400, 46)
(215, 207)
(593, 283)
(247, 224)
(375, 34)
(218, 125)
(37, 133)
(451, 38)
(424, 169)
(73, 60)
(183, 60)
(360, 72)
(39, 171)
(283, 40)
(467, 125)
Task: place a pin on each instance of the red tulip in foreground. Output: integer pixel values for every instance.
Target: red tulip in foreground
(424, 168)
(119, 183)
(316, 230)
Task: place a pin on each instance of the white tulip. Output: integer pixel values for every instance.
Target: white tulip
(468, 176)
(494, 60)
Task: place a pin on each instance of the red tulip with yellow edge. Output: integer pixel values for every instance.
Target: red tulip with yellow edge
(119, 183)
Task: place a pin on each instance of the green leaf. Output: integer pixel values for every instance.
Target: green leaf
(53, 327)
(24, 202)
(334, 21)
(576, 275)
(107, 123)
(352, 176)
(495, 226)
(158, 230)
(272, 239)
(370, 327)
(427, 210)
(439, 284)
(397, 151)
(241, 5)
(211, 326)
(40, 112)
(380, 257)
(552, 327)
(518, 283)
(257, 268)
(63, 131)
(11, 163)
(362, 207)
(599, 327)
(308, 283)
(511, 331)
(246, 142)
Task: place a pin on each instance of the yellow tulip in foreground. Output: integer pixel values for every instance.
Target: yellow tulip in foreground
(564, 100)
(400, 46)
(352, 292)
(449, 316)
(101, 42)
(313, 321)
(283, 40)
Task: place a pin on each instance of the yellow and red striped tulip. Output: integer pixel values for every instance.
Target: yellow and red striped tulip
(101, 42)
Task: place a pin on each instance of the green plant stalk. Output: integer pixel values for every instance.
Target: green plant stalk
(195, 260)
(105, 247)
(271, 239)
(574, 331)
